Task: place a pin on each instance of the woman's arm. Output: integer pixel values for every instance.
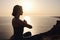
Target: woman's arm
(29, 26)
(24, 23)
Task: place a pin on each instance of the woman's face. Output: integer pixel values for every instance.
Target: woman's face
(20, 12)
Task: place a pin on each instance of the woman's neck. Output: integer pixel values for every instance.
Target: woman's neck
(17, 17)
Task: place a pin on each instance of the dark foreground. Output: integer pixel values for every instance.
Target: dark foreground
(37, 37)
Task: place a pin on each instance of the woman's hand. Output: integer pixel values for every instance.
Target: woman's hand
(29, 26)
(25, 21)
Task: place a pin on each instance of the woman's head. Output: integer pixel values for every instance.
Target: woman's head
(17, 10)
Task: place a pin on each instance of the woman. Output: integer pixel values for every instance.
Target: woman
(18, 25)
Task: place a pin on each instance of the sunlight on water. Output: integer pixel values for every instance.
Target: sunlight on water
(27, 18)
(39, 24)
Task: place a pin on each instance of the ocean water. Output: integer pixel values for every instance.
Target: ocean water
(40, 24)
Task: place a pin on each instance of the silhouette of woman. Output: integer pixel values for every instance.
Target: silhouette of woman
(18, 24)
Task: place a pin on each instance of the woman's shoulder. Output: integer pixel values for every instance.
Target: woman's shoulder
(17, 20)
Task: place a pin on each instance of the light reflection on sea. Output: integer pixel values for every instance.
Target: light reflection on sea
(39, 24)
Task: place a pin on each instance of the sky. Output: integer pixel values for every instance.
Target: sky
(31, 7)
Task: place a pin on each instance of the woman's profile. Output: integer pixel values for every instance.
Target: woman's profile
(18, 24)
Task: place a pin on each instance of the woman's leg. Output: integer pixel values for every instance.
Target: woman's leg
(27, 34)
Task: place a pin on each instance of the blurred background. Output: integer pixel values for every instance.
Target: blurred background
(39, 13)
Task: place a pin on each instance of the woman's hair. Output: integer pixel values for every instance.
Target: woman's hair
(16, 9)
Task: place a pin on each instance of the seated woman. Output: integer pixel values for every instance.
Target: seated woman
(18, 24)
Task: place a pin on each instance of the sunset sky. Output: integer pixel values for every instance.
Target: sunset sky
(31, 7)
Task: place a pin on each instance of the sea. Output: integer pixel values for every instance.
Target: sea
(40, 24)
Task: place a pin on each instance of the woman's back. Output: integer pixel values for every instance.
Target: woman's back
(18, 28)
